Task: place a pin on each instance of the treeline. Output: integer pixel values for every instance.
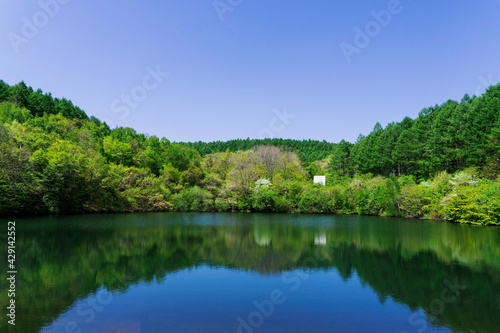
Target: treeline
(66, 162)
(37, 102)
(448, 137)
(307, 150)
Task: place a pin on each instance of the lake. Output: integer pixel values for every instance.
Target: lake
(224, 272)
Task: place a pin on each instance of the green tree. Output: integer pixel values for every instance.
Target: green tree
(4, 91)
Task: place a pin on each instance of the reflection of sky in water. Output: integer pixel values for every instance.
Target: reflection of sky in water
(223, 300)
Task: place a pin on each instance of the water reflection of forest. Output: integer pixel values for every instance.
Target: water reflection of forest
(410, 261)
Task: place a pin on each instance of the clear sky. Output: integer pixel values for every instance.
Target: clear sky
(233, 65)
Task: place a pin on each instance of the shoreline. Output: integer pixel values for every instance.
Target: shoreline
(9, 217)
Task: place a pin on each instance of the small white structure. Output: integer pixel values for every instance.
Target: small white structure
(320, 180)
(320, 239)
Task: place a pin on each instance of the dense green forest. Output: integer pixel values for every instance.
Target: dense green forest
(443, 165)
(306, 150)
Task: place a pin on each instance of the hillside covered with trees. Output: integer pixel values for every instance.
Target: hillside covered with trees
(444, 165)
(306, 150)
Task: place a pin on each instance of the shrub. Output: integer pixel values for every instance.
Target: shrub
(315, 200)
(381, 197)
(193, 199)
(263, 200)
(412, 200)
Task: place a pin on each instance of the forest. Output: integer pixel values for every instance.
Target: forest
(443, 165)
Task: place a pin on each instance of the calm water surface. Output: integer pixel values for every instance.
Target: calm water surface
(203, 272)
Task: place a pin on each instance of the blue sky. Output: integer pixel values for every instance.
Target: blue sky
(231, 71)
